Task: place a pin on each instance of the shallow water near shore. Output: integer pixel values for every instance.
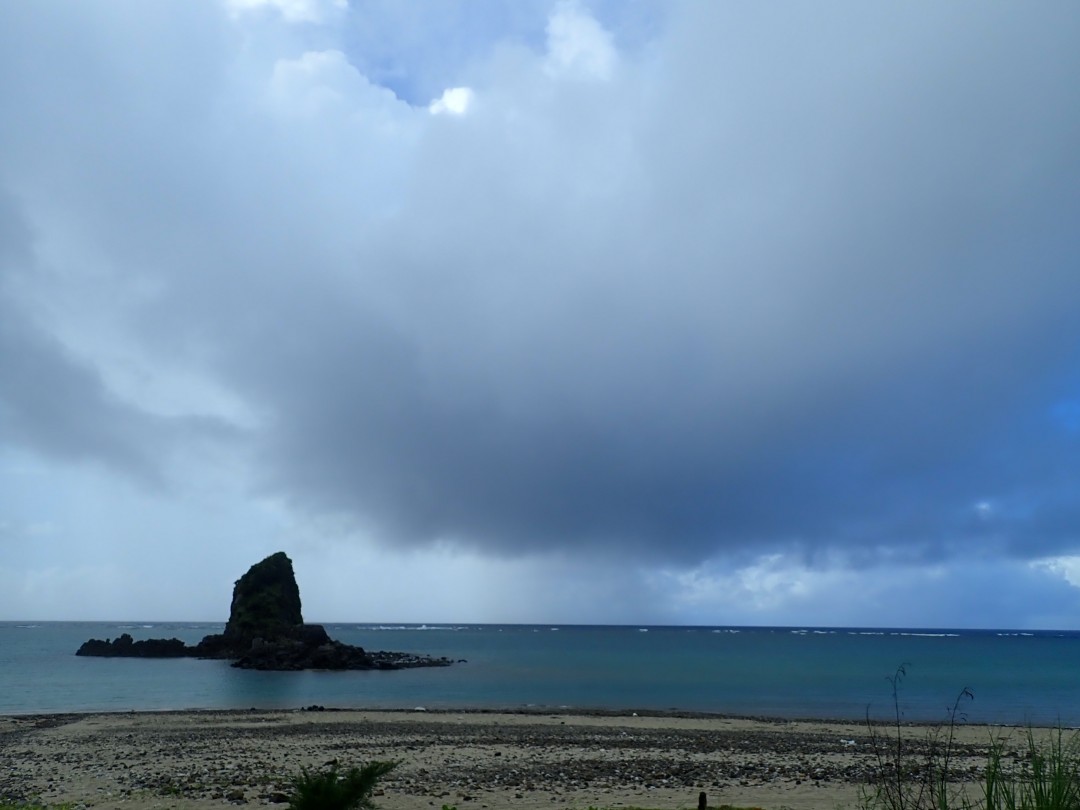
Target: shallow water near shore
(1016, 678)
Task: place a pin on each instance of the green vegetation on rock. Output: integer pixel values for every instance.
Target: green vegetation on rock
(266, 602)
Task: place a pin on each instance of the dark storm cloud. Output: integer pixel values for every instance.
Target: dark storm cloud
(803, 282)
(52, 404)
(48, 401)
(57, 404)
(819, 290)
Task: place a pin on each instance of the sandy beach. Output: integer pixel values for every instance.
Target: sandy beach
(204, 759)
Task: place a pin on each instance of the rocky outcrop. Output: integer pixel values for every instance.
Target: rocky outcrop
(126, 647)
(265, 610)
(265, 603)
(329, 655)
(265, 631)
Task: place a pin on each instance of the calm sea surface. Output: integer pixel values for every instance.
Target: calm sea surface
(776, 672)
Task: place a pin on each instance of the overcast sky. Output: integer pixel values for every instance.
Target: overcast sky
(703, 313)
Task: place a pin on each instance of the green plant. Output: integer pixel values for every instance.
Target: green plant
(1045, 776)
(334, 790)
(910, 777)
(1049, 778)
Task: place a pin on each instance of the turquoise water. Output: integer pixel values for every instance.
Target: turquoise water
(776, 672)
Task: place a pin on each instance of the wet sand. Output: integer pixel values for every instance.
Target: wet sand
(209, 759)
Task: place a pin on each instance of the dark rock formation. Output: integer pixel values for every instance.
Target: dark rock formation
(265, 610)
(265, 602)
(126, 647)
(266, 631)
(296, 655)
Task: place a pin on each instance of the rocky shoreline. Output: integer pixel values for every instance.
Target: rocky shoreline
(205, 759)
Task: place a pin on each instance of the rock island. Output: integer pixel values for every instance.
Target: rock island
(266, 630)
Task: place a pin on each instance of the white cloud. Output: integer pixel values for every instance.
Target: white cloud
(771, 585)
(578, 46)
(316, 82)
(453, 101)
(293, 11)
(1067, 567)
(779, 590)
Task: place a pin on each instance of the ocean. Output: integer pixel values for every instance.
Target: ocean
(819, 673)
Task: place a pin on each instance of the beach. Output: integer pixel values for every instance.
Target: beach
(211, 759)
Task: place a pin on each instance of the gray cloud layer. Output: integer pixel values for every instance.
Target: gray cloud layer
(803, 282)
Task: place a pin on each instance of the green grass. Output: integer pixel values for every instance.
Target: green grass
(1048, 779)
(1046, 775)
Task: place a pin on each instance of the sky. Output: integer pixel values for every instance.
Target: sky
(618, 312)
